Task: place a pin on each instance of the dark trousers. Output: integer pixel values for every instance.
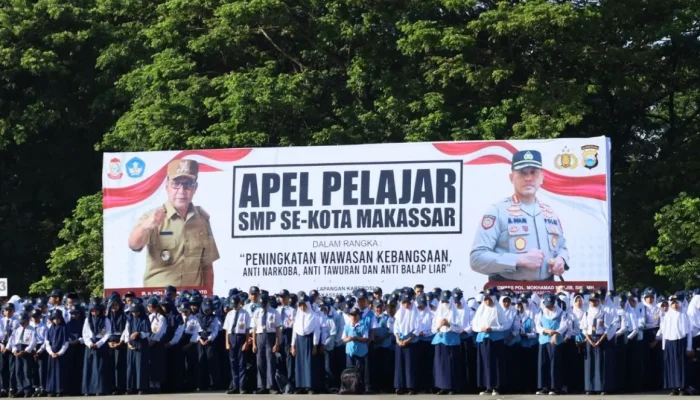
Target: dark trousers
(118, 367)
(358, 363)
(329, 370)
(237, 361)
(39, 380)
(550, 367)
(285, 366)
(208, 364)
(266, 361)
(24, 371)
(7, 374)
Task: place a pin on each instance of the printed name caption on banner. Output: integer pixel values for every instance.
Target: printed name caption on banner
(421, 197)
(357, 262)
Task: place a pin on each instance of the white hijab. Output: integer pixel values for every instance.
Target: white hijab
(694, 312)
(305, 322)
(447, 311)
(492, 317)
(406, 320)
(675, 325)
(578, 313)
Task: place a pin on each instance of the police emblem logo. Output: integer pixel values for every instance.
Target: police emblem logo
(513, 228)
(520, 243)
(552, 229)
(528, 156)
(554, 241)
(590, 155)
(565, 160)
(165, 255)
(488, 221)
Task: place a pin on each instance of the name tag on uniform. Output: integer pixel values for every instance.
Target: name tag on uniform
(166, 233)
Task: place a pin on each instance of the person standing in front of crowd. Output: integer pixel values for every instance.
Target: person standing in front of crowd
(676, 333)
(8, 324)
(237, 326)
(57, 344)
(97, 375)
(23, 343)
(489, 321)
(306, 335)
(136, 334)
(551, 325)
(405, 353)
(40, 355)
(447, 364)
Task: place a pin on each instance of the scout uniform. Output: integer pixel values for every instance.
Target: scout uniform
(179, 251)
(510, 227)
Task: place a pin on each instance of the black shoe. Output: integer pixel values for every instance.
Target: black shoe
(243, 392)
(232, 391)
(400, 392)
(300, 391)
(411, 393)
(28, 394)
(261, 391)
(369, 391)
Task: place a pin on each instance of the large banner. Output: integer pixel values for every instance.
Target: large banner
(527, 215)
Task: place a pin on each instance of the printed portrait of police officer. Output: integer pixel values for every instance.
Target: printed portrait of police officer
(181, 249)
(520, 238)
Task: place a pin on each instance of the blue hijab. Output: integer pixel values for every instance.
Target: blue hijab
(57, 336)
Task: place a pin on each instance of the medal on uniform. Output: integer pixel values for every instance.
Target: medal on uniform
(513, 228)
(165, 255)
(554, 241)
(519, 243)
(241, 326)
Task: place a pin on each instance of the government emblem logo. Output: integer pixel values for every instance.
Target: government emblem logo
(590, 155)
(519, 244)
(135, 167)
(115, 169)
(566, 160)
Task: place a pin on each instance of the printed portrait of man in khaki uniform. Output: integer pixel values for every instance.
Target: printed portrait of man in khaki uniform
(180, 246)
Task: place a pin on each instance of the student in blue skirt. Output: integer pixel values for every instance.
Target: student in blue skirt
(97, 373)
(306, 335)
(447, 364)
(425, 350)
(527, 347)
(156, 365)
(599, 366)
(355, 336)
(117, 349)
(58, 366)
(677, 344)
(406, 356)
(488, 323)
(76, 351)
(136, 334)
(551, 325)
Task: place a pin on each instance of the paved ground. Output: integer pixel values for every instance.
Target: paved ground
(221, 396)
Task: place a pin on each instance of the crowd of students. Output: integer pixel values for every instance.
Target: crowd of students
(406, 342)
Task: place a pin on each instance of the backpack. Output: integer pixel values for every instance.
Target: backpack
(351, 382)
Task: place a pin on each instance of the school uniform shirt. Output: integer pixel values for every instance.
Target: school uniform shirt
(101, 336)
(328, 331)
(425, 323)
(339, 323)
(511, 326)
(597, 322)
(407, 322)
(190, 327)
(287, 314)
(493, 317)
(41, 329)
(694, 315)
(239, 326)
(551, 315)
(368, 313)
(465, 315)
(652, 315)
(305, 323)
(7, 327)
(213, 329)
(23, 336)
(675, 326)
(158, 326)
(354, 348)
(631, 322)
(272, 322)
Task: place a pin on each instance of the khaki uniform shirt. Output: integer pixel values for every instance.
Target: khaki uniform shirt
(180, 251)
(509, 228)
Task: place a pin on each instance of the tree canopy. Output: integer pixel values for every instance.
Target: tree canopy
(84, 76)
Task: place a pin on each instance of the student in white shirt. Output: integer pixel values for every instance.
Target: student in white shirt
(23, 343)
(267, 326)
(98, 378)
(236, 325)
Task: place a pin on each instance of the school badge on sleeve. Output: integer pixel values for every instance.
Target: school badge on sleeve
(165, 255)
(520, 243)
(488, 221)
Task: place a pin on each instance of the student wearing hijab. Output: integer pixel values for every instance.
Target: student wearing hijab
(448, 363)
(635, 348)
(327, 347)
(527, 350)
(56, 346)
(511, 329)
(306, 335)
(75, 351)
(551, 325)
(207, 361)
(424, 348)
(488, 323)
(677, 345)
(97, 377)
(597, 326)
(117, 349)
(405, 352)
(626, 326)
(693, 312)
(156, 371)
(174, 357)
(653, 357)
(136, 334)
(468, 351)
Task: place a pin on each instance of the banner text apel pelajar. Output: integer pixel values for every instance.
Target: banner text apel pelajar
(347, 199)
